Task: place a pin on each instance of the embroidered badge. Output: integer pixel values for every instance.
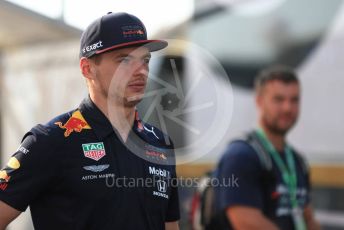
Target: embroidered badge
(94, 151)
(76, 123)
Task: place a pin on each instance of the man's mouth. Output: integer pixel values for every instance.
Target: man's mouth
(137, 85)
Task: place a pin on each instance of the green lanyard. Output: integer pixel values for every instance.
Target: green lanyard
(288, 175)
(288, 171)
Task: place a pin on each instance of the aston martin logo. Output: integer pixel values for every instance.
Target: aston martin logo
(96, 168)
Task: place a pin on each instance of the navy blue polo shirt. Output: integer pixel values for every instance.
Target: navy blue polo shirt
(257, 188)
(76, 173)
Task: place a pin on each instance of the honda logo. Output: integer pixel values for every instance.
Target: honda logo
(162, 186)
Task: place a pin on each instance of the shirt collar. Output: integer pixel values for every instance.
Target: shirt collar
(99, 123)
(95, 118)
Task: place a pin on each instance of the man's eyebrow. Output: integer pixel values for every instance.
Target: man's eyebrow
(120, 55)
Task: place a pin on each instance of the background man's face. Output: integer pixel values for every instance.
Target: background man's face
(122, 74)
(278, 105)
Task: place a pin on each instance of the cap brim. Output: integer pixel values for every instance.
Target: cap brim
(152, 45)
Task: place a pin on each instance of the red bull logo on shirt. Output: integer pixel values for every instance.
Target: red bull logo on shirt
(155, 153)
(76, 123)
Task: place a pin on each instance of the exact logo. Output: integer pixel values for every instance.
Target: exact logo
(94, 46)
(23, 150)
(95, 151)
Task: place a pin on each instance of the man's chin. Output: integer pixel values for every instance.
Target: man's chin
(282, 130)
(133, 100)
(279, 129)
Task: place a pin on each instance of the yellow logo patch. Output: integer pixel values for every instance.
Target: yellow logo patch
(13, 163)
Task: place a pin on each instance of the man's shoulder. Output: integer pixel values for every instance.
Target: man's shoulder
(239, 147)
(42, 138)
(239, 153)
(53, 129)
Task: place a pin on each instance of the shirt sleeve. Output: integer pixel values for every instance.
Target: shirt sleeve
(27, 172)
(239, 173)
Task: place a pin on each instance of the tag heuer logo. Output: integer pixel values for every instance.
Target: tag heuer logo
(95, 151)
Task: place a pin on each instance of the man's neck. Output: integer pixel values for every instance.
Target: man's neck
(121, 117)
(277, 140)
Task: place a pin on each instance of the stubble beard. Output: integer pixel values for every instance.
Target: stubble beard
(275, 129)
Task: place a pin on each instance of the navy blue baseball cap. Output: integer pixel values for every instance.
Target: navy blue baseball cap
(114, 31)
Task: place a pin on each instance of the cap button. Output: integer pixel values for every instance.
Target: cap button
(109, 12)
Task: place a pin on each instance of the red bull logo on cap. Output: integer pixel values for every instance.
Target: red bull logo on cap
(76, 123)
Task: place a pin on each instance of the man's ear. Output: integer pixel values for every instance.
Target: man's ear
(86, 67)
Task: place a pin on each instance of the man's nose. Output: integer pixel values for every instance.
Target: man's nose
(141, 67)
(287, 105)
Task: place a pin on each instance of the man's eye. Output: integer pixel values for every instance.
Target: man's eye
(146, 60)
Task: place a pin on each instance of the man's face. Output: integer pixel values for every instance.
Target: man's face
(278, 105)
(121, 74)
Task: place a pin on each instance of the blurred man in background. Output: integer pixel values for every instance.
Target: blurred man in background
(82, 169)
(274, 187)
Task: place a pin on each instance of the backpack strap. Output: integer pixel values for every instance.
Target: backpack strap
(263, 154)
(265, 159)
(253, 140)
